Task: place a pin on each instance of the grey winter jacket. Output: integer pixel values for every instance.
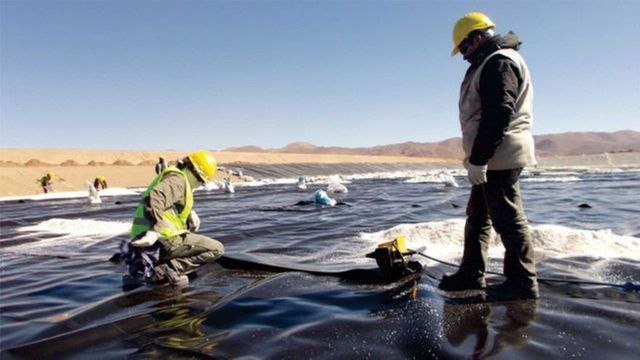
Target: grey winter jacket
(495, 106)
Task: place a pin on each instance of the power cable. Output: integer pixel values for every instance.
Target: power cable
(626, 286)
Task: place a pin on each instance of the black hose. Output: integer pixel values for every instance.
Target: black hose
(627, 286)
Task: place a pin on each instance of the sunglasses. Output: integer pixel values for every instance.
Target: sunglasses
(465, 45)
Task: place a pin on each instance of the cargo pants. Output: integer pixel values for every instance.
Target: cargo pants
(498, 203)
(189, 251)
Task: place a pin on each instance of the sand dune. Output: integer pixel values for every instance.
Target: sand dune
(20, 168)
(43, 157)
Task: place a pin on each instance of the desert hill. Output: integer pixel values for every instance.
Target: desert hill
(570, 143)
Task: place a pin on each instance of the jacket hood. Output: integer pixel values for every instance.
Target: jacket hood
(509, 41)
(494, 43)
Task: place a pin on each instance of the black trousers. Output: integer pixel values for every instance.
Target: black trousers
(498, 203)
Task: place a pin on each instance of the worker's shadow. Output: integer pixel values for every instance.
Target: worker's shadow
(509, 322)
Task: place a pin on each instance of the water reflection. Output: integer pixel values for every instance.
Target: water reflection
(492, 327)
(401, 291)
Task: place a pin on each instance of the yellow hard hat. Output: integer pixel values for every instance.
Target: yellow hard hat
(204, 164)
(466, 24)
(51, 174)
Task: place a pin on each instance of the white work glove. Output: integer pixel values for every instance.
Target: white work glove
(148, 239)
(477, 173)
(193, 221)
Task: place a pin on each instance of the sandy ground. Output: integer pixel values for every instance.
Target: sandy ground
(20, 168)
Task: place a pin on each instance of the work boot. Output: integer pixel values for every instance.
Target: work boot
(165, 272)
(129, 282)
(511, 290)
(461, 281)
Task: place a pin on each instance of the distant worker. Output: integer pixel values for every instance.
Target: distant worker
(165, 222)
(302, 183)
(100, 183)
(496, 118)
(94, 195)
(228, 186)
(46, 182)
(161, 165)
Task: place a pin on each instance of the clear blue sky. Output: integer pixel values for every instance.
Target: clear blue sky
(185, 75)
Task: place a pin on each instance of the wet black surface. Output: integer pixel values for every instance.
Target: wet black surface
(61, 297)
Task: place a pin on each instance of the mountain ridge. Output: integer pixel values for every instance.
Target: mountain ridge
(567, 143)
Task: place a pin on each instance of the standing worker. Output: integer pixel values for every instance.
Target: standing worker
(46, 182)
(496, 118)
(100, 183)
(161, 165)
(165, 220)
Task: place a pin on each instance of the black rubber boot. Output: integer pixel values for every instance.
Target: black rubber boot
(510, 290)
(461, 281)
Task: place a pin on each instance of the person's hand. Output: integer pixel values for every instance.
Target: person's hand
(148, 239)
(477, 174)
(193, 221)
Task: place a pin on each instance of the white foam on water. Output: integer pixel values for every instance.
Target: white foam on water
(444, 240)
(444, 176)
(337, 188)
(562, 179)
(382, 175)
(210, 186)
(286, 181)
(72, 194)
(440, 177)
(613, 170)
(66, 236)
(329, 179)
(562, 241)
(79, 227)
(544, 172)
(266, 181)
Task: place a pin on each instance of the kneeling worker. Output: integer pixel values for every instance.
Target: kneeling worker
(165, 222)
